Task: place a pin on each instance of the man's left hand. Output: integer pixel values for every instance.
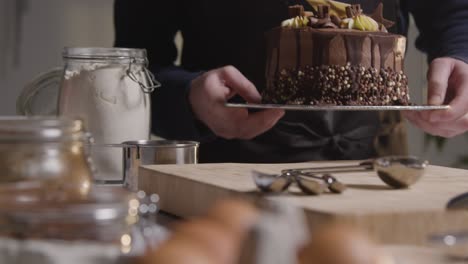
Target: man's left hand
(447, 84)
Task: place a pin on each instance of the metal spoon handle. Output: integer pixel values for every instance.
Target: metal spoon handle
(309, 175)
(363, 166)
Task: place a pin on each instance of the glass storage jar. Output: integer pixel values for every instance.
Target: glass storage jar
(106, 216)
(45, 155)
(108, 88)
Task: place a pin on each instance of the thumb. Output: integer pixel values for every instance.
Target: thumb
(438, 76)
(236, 81)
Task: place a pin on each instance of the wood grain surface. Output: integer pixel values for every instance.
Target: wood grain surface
(405, 216)
(405, 254)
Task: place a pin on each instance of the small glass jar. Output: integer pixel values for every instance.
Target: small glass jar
(108, 88)
(106, 216)
(45, 155)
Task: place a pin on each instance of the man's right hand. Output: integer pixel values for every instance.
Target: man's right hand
(208, 95)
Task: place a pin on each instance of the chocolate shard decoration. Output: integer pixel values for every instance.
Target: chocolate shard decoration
(309, 14)
(353, 10)
(321, 23)
(377, 15)
(335, 20)
(323, 11)
(296, 10)
(313, 21)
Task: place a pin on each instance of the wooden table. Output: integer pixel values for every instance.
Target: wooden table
(406, 254)
(391, 216)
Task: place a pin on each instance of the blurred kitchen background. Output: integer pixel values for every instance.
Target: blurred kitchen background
(33, 33)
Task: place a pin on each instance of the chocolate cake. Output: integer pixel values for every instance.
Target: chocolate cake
(324, 59)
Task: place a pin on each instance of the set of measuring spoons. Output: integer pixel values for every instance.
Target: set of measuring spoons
(395, 171)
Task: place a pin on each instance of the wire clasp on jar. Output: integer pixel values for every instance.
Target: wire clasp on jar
(153, 83)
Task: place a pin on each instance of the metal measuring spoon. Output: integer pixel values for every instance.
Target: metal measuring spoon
(333, 184)
(459, 202)
(279, 183)
(395, 171)
(271, 182)
(308, 186)
(400, 171)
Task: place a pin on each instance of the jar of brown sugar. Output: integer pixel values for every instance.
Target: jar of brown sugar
(45, 156)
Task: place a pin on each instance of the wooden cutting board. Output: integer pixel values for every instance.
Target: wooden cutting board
(389, 215)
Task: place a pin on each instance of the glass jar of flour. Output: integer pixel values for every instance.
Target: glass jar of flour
(109, 89)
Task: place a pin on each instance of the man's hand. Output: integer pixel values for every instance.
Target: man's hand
(210, 92)
(448, 83)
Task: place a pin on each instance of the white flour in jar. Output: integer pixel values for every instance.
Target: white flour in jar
(113, 107)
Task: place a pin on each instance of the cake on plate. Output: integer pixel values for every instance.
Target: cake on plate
(328, 57)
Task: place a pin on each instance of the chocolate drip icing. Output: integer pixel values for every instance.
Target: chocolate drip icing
(278, 61)
(386, 45)
(298, 49)
(278, 52)
(354, 47)
(322, 49)
(291, 48)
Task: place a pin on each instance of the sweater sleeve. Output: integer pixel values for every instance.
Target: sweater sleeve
(151, 25)
(443, 27)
